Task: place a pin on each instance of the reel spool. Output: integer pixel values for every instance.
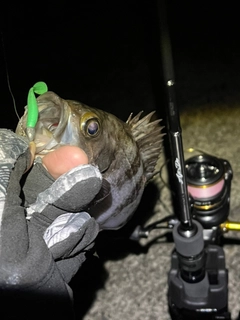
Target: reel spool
(209, 184)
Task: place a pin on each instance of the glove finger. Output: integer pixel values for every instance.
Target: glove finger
(78, 238)
(63, 226)
(71, 192)
(37, 181)
(76, 256)
(69, 267)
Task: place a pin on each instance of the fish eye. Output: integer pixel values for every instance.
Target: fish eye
(92, 127)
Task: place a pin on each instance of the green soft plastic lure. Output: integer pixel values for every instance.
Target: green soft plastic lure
(38, 88)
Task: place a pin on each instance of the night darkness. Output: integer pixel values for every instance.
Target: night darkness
(106, 53)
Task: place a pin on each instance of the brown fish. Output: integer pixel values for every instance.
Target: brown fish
(125, 153)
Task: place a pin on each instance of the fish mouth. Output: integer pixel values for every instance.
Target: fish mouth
(53, 117)
(52, 121)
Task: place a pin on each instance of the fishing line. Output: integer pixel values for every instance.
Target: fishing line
(7, 75)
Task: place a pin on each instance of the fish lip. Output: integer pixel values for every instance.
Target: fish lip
(62, 106)
(51, 109)
(46, 102)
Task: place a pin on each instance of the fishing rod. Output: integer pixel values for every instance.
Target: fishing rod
(189, 257)
(174, 130)
(198, 278)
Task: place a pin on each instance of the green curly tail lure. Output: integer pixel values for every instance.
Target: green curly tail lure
(38, 88)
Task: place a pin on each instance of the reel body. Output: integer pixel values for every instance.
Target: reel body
(209, 185)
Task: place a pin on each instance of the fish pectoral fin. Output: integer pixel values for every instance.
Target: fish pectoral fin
(103, 193)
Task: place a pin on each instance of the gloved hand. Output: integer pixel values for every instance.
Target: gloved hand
(40, 254)
(58, 214)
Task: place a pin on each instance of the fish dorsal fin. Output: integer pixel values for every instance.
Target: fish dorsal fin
(148, 136)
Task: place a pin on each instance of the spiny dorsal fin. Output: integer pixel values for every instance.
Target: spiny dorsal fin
(148, 136)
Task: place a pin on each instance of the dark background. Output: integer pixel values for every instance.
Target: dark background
(106, 53)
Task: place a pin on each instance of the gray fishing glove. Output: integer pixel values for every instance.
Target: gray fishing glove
(57, 212)
(40, 253)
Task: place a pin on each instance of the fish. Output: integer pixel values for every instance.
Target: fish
(126, 153)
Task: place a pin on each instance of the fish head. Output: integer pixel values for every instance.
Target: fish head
(126, 153)
(67, 122)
